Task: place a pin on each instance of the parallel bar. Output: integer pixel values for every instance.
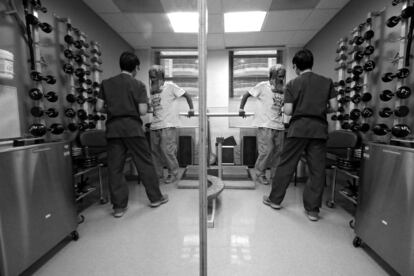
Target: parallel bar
(219, 114)
(203, 134)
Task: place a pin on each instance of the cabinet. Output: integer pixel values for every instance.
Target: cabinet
(385, 213)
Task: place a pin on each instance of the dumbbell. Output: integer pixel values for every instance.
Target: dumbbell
(336, 84)
(68, 54)
(51, 96)
(56, 129)
(68, 68)
(356, 70)
(82, 114)
(402, 92)
(80, 72)
(369, 65)
(80, 43)
(37, 5)
(401, 111)
(80, 99)
(80, 59)
(52, 112)
(399, 130)
(72, 127)
(352, 79)
(405, 13)
(102, 118)
(89, 91)
(359, 127)
(96, 84)
(33, 20)
(357, 56)
(341, 108)
(357, 40)
(358, 87)
(83, 126)
(385, 112)
(366, 97)
(37, 130)
(369, 34)
(367, 112)
(400, 74)
(355, 114)
(356, 99)
(344, 99)
(71, 98)
(36, 111)
(369, 50)
(345, 125)
(91, 100)
(96, 117)
(84, 80)
(341, 57)
(70, 112)
(35, 94)
(96, 51)
(96, 60)
(36, 76)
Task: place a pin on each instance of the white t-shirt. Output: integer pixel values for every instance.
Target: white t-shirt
(268, 111)
(164, 106)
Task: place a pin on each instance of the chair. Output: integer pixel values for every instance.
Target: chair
(341, 147)
(93, 143)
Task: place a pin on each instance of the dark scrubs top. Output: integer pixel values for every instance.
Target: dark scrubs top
(309, 93)
(122, 95)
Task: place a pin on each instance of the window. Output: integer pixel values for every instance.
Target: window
(181, 67)
(249, 67)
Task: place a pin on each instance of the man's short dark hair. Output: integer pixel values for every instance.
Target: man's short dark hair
(303, 59)
(128, 61)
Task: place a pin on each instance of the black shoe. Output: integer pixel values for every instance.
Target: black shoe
(163, 200)
(267, 202)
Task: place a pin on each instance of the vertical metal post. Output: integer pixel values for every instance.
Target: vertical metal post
(202, 131)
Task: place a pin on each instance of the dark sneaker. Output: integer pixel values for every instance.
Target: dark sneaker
(262, 180)
(163, 200)
(170, 179)
(267, 202)
(119, 212)
(313, 216)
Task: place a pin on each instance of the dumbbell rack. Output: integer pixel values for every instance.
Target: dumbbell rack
(40, 125)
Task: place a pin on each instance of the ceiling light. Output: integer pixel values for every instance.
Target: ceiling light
(251, 21)
(184, 22)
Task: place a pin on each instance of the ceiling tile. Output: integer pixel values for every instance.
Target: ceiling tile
(293, 5)
(215, 41)
(174, 40)
(99, 6)
(137, 40)
(119, 22)
(215, 23)
(179, 5)
(318, 19)
(257, 39)
(285, 20)
(141, 6)
(332, 4)
(300, 38)
(150, 22)
(246, 5)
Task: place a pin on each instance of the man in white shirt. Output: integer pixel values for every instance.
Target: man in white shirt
(165, 121)
(268, 119)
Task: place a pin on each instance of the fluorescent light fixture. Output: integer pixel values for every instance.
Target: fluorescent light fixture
(251, 21)
(255, 52)
(184, 22)
(179, 53)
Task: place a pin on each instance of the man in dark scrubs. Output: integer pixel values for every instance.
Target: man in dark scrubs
(306, 99)
(125, 99)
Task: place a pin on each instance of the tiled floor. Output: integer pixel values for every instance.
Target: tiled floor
(249, 239)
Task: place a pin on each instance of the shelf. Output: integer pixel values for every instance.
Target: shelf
(353, 200)
(91, 190)
(85, 171)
